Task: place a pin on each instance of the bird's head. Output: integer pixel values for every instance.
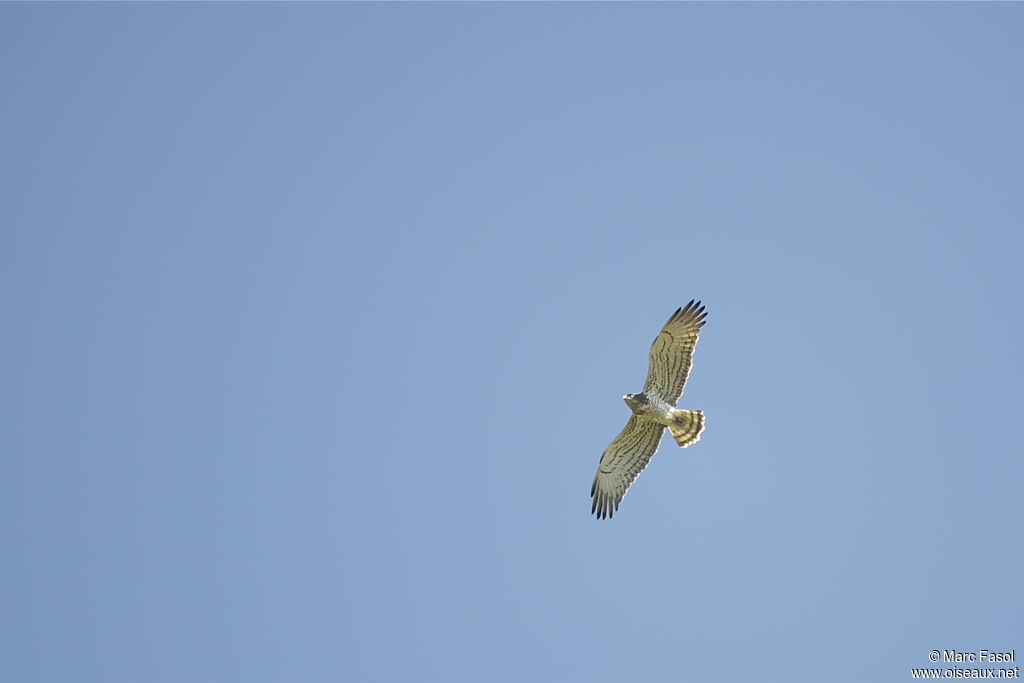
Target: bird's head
(635, 401)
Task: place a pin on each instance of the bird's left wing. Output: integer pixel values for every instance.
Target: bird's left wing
(672, 352)
(625, 458)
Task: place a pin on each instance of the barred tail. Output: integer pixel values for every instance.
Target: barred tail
(687, 426)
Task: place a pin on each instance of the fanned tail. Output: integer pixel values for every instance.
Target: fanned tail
(687, 427)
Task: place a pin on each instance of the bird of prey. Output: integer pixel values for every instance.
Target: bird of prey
(653, 410)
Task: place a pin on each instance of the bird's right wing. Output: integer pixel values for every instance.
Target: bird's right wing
(625, 458)
(672, 352)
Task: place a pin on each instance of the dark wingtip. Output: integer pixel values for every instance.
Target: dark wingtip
(602, 506)
(698, 312)
(694, 310)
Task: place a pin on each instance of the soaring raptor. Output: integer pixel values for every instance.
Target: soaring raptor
(653, 410)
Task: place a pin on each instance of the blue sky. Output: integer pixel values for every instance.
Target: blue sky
(318, 318)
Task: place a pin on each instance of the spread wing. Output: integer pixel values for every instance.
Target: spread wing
(625, 458)
(672, 352)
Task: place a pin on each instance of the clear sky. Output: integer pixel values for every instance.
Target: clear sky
(317, 318)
